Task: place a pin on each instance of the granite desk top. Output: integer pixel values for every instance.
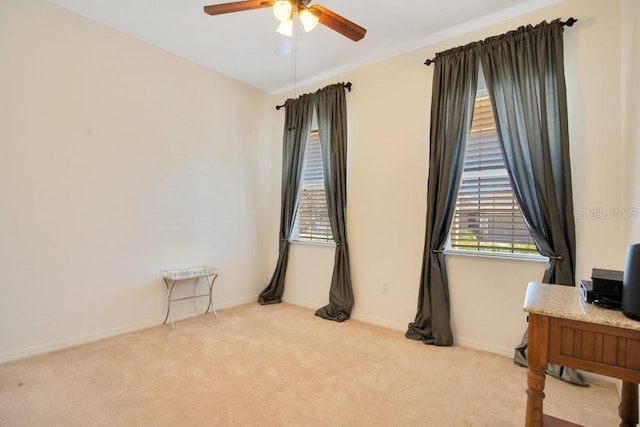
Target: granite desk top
(565, 302)
(190, 273)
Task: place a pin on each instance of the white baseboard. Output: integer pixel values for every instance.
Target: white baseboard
(354, 315)
(593, 377)
(301, 303)
(402, 327)
(236, 302)
(105, 333)
(489, 348)
(73, 341)
(373, 320)
(221, 306)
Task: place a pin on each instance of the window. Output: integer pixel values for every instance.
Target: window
(487, 216)
(312, 219)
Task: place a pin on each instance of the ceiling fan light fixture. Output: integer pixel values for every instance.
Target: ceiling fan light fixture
(282, 10)
(286, 27)
(309, 19)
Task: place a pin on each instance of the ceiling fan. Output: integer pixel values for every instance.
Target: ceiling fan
(285, 10)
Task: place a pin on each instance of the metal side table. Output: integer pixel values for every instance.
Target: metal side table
(171, 277)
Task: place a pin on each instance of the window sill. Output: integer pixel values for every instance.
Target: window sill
(308, 243)
(518, 257)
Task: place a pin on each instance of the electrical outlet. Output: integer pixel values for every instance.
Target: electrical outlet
(385, 288)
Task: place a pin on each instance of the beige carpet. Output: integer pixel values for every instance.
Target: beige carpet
(279, 365)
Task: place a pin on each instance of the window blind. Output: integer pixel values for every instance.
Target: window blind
(312, 219)
(487, 215)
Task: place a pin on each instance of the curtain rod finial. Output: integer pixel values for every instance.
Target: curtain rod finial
(570, 22)
(429, 62)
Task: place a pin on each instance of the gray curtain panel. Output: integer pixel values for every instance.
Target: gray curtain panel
(297, 126)
(332, 126)
(454, 90)
(524, 71)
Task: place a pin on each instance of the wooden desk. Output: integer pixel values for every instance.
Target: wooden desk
(565, 330)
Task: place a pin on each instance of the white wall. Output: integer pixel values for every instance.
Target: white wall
(388, 156)
(630, 40)
(118, 160)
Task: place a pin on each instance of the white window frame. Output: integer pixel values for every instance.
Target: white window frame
(489, 247)
(312, 205)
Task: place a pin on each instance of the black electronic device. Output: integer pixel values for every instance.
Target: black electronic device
(607, 283)
(631, 283)
(601, 300)
(586, 291)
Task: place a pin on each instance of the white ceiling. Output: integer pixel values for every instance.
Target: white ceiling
(241, 45)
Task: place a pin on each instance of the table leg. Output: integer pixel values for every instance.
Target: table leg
(628, 408)
(535, 395)
(210, 306)
(537, 361)
(169, 292)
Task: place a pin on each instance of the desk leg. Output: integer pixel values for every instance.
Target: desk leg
(537, 361)
(628, 408)
(210, 306)
(169, 292)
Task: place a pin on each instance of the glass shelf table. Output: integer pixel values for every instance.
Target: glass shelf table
(171, 277)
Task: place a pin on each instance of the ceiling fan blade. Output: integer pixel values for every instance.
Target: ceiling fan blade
(338, 23)
(236, 6)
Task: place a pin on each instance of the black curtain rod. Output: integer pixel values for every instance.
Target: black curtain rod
(346, 85)
(569, 23)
